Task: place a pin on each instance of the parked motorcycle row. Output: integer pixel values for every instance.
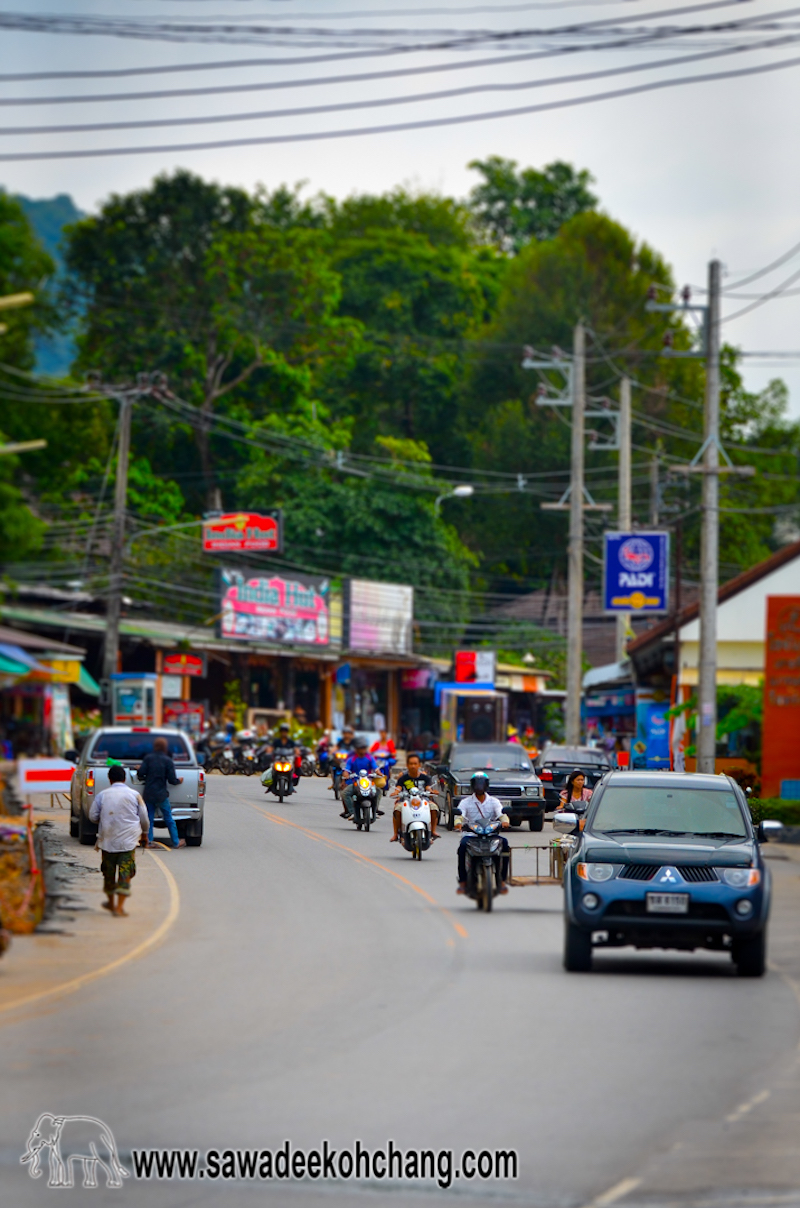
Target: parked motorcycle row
(247, 754)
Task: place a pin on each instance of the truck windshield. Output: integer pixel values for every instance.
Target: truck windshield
(494, 759)
(637, 808)
(130, 746)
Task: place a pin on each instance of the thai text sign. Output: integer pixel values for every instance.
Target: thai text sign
(380, 616)
(292, 610)
(475, 666)
(184, 664)
(636, 572)
(780, 758)
(246, 532)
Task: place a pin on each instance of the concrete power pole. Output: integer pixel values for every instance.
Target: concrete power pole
(624, 504)
(114, 606)
(575, 582)
(709, 539)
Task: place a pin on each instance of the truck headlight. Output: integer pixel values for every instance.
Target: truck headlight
(532, 790)
(596, 872)
(739, 878)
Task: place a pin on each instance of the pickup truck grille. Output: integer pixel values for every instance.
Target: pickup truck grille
(638, 872)
(696, 872)
(505, 790)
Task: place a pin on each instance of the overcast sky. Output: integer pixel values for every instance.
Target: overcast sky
(706, 169)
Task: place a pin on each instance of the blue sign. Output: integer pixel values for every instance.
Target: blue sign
(636, 572)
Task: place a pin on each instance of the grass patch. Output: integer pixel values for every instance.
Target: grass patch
(787, 812)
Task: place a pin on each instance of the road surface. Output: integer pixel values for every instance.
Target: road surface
(317, 984)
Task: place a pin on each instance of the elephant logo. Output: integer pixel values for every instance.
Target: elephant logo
(72, 1139)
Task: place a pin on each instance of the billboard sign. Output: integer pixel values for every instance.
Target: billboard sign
(475, 666)
(243, 532)
(380, 616)
(636, 572)
(292, 610)
(185, 664)
(780, 757)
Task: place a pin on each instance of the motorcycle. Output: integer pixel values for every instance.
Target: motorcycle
(279, 778)
(484, 855)
(337, 762)
(385, 763)
(415, 823)
(322, 764)
(308, 761)
(365, 800)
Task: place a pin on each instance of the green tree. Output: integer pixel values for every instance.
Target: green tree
(512, 208)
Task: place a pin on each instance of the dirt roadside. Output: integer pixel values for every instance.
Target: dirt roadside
(78, 940)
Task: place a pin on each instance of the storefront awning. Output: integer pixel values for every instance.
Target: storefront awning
(12, 667)
(87, 684)
(21, 657)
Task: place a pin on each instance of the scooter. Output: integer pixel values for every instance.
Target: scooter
(484, 854)
(385, 764)
(365, 800)
(415, 823)
(279, 779)
(337, 762)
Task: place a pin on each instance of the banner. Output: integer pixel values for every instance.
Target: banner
(780, 754)
(243, 532)
(292, 610)
(475, 666)
(380, 616)
(636, 572)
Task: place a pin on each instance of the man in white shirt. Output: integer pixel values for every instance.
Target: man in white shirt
(122, 822)
(479, 809)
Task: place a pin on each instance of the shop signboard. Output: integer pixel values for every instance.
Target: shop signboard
(380, 616)
(651, 746)
(476, 667)
(291, 610)
(186, 715)
(243, 532)
(181, 663)
(636, 572)
(780, 755)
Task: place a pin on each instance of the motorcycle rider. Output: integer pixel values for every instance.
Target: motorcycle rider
(284, 747)
(359, 761)
(421, 780)
(477, 810)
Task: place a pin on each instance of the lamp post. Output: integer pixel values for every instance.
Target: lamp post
(463, 491)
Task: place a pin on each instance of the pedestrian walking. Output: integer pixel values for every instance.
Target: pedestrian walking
(157, 771)
(121, 817)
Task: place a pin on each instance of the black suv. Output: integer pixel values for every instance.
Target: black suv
(666, 860)
(511, 779)
(555, 763)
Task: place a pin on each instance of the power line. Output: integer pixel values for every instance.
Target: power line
(774, 293)
(423, 124)
(383, 102)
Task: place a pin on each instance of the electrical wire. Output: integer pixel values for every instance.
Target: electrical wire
(384, 102)
(774, 293)
(398, 127)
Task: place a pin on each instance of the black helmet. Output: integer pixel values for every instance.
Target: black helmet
(284, 725)
(479, 782)
(361, 743)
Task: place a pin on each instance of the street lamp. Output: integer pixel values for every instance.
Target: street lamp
(463, 491)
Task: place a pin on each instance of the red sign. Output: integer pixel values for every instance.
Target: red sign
(185, 664)
(243, 531)
(475, 666)
(44, 776)
(780, 759)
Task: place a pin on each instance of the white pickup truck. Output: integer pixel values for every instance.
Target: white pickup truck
(128, 745)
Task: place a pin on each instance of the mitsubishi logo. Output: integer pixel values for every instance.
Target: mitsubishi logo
(669, 876)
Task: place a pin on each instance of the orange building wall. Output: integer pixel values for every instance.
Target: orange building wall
(780, 758)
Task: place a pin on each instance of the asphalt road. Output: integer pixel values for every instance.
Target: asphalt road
(318, 984)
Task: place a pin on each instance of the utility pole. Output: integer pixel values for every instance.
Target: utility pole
(114, 604)
(146, 384)
(624, 504)
(654, 490)
(709, 538)
(575, 553)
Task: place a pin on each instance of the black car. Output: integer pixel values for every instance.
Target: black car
(511, 779)
(554, 764)
(666, 860)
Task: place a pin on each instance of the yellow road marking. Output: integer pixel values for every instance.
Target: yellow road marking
(75, 983)
(357, 855)
(615, 1193)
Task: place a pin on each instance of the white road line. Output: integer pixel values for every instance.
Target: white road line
(615, 1193)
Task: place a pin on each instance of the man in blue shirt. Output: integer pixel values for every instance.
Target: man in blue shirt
(359, 761)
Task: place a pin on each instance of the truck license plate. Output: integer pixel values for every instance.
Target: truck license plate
(668, 903)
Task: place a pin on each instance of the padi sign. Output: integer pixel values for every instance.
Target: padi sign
(636, 572)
